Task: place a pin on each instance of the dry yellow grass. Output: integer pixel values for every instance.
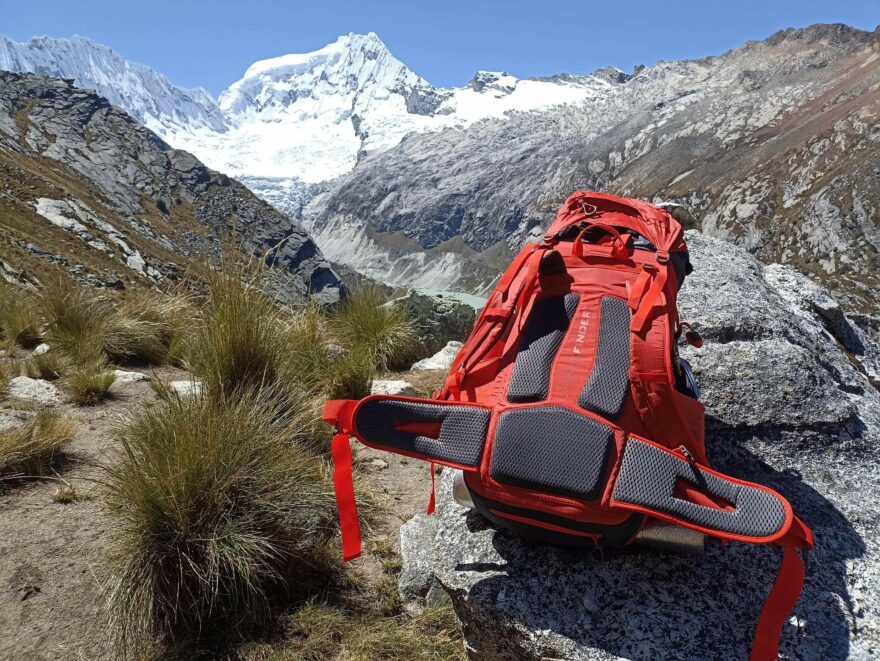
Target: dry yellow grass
(50, 366)
(89, 385)
(30, 449)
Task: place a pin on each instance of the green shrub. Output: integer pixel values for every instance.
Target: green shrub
(89, 385)
(216, 508)
(49, 366)
(32, 448)
(20, 320)
(364, 326)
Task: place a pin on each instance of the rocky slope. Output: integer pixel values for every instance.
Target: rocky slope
(787, 380)
(87, 191)
(774, 145)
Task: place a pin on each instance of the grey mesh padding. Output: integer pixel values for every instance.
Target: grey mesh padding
(608, 383)
(462, 429)
(551, 449)
(547, 324)
(648, 476)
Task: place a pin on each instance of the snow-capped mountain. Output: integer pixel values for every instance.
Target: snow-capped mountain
(298, 117)
(311, 116)
(146, 95)
(774, 145)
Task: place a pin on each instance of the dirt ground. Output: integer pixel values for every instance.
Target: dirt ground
(51, 554)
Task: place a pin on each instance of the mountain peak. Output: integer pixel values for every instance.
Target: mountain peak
(369, 44)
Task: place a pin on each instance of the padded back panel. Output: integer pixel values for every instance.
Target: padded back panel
(462, 429)
(648, 476)
(551, 449)
(545, 328)
(608, 383)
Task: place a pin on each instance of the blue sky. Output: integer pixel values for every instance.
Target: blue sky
(197, 42)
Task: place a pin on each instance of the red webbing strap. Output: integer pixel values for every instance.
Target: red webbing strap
(432, 501)
(339, 412)
(650, 297)
(349, 525)
(784, 595)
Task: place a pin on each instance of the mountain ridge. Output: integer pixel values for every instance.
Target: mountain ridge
(87, 192)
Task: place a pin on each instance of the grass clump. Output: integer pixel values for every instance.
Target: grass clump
(321, 631)
(147, 328)
(217, 509)
(5, 378)
(381, 333)
(30, 449)
(242, 347)
(162, 388)
(67, 494)
(77, 320)
(20, 320)
(49, 366)
(89, 385)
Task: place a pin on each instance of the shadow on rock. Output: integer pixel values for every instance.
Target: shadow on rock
(642, 604)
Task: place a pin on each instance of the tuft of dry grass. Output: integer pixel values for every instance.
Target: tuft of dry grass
(77, 319)
(153, 328)
(67, 494)
(216, 509)
(162, 388)
(242, 348)
(20, 320)
(48, 366)
(364, 326)
(149, 327)
(321, 631)
(32, 448)
(89, 385)
(5, 377)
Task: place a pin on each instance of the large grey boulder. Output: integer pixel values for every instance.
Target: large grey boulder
(787, 406)
(438, 320)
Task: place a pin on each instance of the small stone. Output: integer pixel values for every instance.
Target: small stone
(186, 388)
(441, 360)
(393, 387)
(379, 463)
(33, 390)
(130, 377)
(40, 349)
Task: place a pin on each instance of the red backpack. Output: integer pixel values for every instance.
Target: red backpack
(568, 409)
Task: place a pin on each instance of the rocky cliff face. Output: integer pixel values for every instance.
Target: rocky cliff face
(87, 190)
(773, 145)
(787, 380)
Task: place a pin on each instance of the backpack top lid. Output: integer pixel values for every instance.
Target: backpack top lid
(653, 223)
